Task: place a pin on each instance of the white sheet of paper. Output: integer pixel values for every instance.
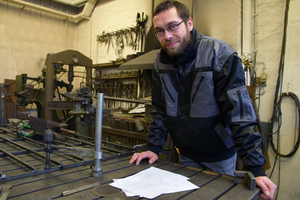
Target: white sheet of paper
(153, 182)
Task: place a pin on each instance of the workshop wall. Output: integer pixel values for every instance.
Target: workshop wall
(219, 19)
(27, 36)
(270, 26)
(110, 16)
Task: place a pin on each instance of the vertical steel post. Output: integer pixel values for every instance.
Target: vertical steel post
(3, 119)
(97, 169)
(49, 86)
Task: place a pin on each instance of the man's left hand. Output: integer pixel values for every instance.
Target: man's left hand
(267, 186)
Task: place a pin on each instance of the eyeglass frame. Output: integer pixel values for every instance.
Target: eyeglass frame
(168, 29)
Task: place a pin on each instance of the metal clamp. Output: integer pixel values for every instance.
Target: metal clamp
(245, 177)
(97, 155)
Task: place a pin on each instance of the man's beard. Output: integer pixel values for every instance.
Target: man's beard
(184, 43)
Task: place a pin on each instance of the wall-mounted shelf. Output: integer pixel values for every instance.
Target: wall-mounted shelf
(108, 65)
(115, 77)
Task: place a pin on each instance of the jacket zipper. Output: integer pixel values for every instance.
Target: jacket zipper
(198, 86)
(167, 90)
(241, 103)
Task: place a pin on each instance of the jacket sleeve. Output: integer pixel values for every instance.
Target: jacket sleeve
(158, 129)
(235, 104)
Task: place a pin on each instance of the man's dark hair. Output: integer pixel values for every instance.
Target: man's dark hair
(182, 10)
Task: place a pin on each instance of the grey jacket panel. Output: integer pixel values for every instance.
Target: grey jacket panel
(243, 111)
(203, 103)
(213, 52)
(170, 95)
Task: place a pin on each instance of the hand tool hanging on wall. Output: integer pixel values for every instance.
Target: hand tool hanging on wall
(119, 44)
(106, 38)
(129, 37)
(140, 29)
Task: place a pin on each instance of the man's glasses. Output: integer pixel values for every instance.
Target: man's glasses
(170, 28)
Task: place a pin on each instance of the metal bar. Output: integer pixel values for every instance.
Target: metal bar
(19, 160)
(125, 133)
(65, 193)
(105, 142)
(45, 171)
(32, 151)
(4, 191)
(126, 100)
(89, 143)
(117, 145)
(73, 150)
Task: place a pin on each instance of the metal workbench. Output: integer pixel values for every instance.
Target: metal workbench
(29, 179)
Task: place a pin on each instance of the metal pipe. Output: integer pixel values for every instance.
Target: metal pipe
(85, 14)
(246, 14)
(79, 113)
(97, 169)
(127, 100)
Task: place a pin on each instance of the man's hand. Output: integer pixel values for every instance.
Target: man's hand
(140, 156)
(267, 186)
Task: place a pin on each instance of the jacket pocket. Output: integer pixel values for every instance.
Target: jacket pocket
(242, 107)
(203, 102)
(170, 95)
(225, 136)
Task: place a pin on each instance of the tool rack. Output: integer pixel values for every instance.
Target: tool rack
(23, 176)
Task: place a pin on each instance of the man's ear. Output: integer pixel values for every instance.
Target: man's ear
(190, 24)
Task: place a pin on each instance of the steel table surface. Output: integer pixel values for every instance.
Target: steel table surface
(50, 184)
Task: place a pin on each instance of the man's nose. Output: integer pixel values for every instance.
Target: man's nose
(168, 34)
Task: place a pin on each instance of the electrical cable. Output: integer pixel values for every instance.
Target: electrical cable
(281, 65)
(277, 105)
(296, 145)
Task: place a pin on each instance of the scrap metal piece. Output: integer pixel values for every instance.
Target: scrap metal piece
(40, 125)
(68, 192)
(106, 190)
(245, 177)
(4, 191)
(85, 152)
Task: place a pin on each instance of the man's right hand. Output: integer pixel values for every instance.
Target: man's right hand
(140, 156)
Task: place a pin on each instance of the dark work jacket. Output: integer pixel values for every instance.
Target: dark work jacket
(201, 99)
